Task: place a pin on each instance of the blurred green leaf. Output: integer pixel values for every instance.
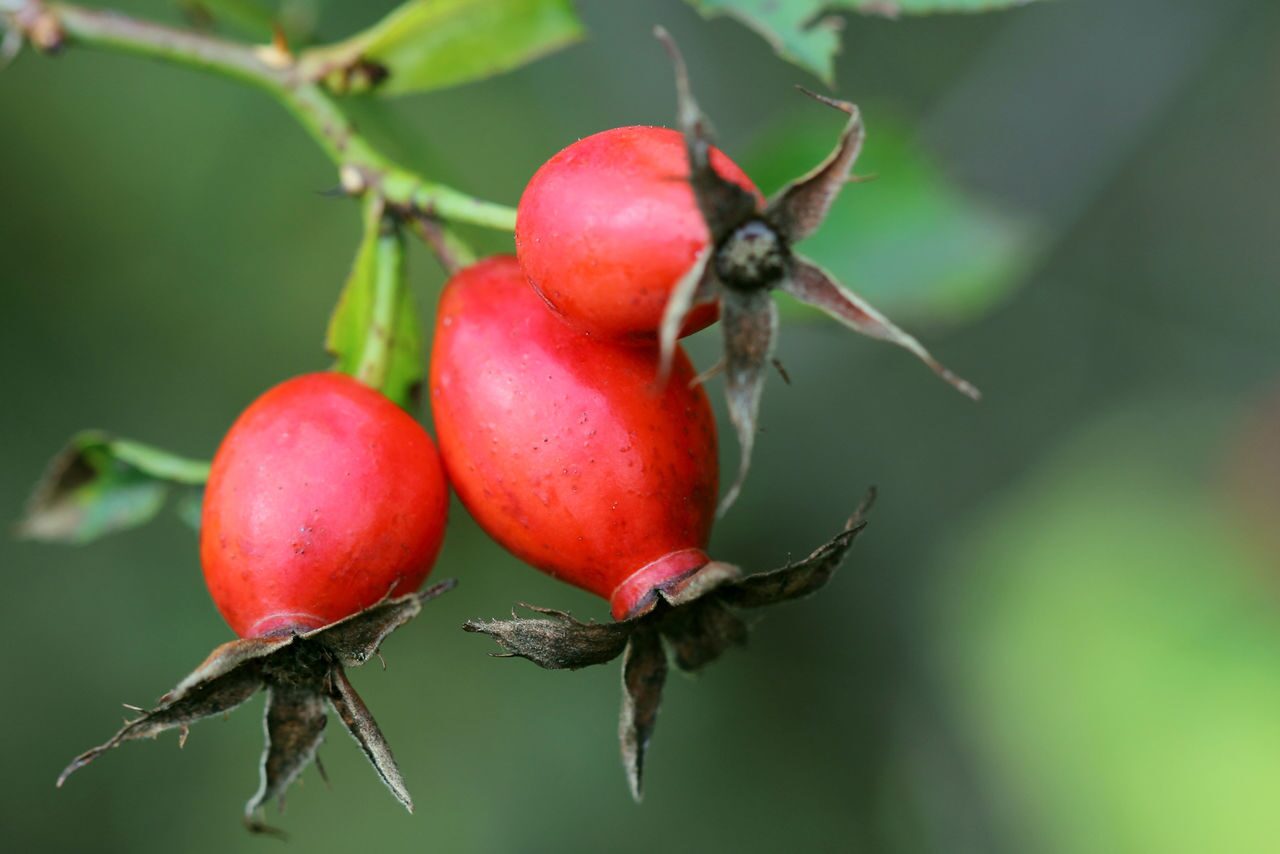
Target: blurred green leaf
(796, 30)
(375, 332)
(912, 242)
(99, 484)
(801, 34)
(1113, 646)
(431, 44)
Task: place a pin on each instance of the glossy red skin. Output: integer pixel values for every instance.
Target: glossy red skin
(561, 447)
(323, 495)
(606, 228)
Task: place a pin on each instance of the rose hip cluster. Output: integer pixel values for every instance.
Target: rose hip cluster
(571, 426)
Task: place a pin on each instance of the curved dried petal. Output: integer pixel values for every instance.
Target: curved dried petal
(750, 321)
(797, 580)
(357, 638)
(724, 204)
(644, 671)
(225, 659)
(204, 697)
(294, 722)
(800, 207)
(364, 729)
(812, 285)
(557, 641)
(696, 286)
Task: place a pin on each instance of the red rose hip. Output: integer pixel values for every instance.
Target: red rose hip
(647, 233)
(323, 498)
(606, 228)
(564, 450)
(559, 445)
(324, 511)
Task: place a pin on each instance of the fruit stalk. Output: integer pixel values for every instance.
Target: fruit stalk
(388, 290)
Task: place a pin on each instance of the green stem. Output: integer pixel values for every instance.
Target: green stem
(388, 293)
(362, 167)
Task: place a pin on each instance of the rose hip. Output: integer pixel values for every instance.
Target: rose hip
(565, 452)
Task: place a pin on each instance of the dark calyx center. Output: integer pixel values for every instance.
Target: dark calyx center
(753, 256)
(302, 664)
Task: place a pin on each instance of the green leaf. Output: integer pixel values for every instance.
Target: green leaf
(912, 242)
(99, 484)
(431, 44)
(796, 30)
(802, 34)
(375, 332)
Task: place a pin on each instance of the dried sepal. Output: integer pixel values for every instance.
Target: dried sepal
(750, 324)
(644, 671)
(556, 641)
(214, 690)
(357, 638)
(697, 285)
(800, 207)
(724, 204)
(813, 286)
(359, 722)
(750, 254)
(225, 659)
(301, 672)
(692, 616)
(701, 632)
(294, 721)
(800, 579)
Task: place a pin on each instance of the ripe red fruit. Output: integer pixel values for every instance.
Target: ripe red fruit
(565, 452)
(323, 498)
(324, 502)
(607, 227)
(644, 233)
(559, 446)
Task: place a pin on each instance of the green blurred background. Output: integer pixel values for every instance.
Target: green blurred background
(1061, 632)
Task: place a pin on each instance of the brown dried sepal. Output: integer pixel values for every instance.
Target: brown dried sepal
(690, 621)
(750, 254)
(300, 673)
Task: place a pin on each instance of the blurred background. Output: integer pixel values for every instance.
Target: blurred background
(1061, 632)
